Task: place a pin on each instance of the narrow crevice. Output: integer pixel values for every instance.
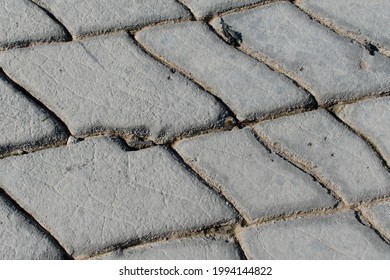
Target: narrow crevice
(302, 215)
(60, 128)
(364, 41)
(206, 232)
(68, 35)
(267, 62)
(371, 96)
(186, 75)
(246, 7)
(206, 182)
(239, 242)
(366, 221)
(187, 8)
(11, 202)
(37, 102)
(240, 249)
(373, 147)
(330, 190)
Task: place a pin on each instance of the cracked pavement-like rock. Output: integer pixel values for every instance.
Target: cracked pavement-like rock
(24, 126)
(259, 183)
(226, 72)
(333, 237)
(183, 129)
(371, 119)
(365, 19)
(108, 84)
(21, 239)
(92, 195)
(86, 17)
(22, 22)
(333, 68)
(326, 148)
(184, 249)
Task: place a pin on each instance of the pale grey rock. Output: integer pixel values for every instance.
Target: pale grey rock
(23, 125)
(92, 195)
(84, 17)
(380, 217)
(107, 84)
(334, 153)
(20, 239)
(197, 248)
(334, 237)
(249, 88)
(330, 66)
(202, 8)
(369, 19)
(371, 118)
(22, 22)
(259, 183)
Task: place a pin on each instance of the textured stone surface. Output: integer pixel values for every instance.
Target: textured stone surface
(92, 195)
(23, 125)
(23, 22)
(202, 8)
(380, 216)
(250, 89)
(20, 239)
(198, 248)
(332, 67)
(337, 155)
(83, 17)
(364, 18)
(260, 184)
(370, 118)
(333, 237)
(109, 84)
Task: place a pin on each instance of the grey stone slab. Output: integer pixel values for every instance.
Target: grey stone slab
(371, 118)
(20, 239)
(23, 125)
(249, 88)
(198, 248)
(84, 17)
(364, 18)
(330, 66)
(107, 84)
(259, 183)
(23, 22)
(334, 237)
(320, 143)
(204, 8)
(92, 195)
(380, 217)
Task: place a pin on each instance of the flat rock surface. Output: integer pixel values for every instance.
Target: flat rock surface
(198, 248)
(380, 216)
(183, 129)
(259, 183)
(23, 22)
(108, 84)
(330, 66)
(23, 124)
(21, 239)
(92, 194)
(324, 146)
(333, 237)
(202, 8)
(84, 17)
(250, 89)
(364, 18)
(371, 119)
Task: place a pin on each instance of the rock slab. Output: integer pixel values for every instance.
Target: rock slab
(92, 195)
